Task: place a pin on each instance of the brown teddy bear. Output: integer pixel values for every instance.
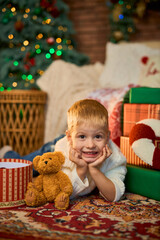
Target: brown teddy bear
(52, 185)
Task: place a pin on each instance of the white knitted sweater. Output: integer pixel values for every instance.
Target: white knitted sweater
(113, 167)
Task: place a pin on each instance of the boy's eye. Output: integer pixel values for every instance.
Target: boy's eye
(98, 136)
(81, 136)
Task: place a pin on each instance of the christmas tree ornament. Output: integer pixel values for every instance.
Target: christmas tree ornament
(19, 25)
(54, 12)
(32, 61)
(27, 67)
(50, 40)
(37, 11)
(47, 3)
(141, 8)
(118, 35)
(116, 12)
(56, 57)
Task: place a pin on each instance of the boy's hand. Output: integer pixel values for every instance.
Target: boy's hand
(105, 154)
(82, 166)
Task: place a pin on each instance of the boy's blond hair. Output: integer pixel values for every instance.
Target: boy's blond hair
(87, 110)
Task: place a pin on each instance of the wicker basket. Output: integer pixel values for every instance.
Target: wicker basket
(22, 119)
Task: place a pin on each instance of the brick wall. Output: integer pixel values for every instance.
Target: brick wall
(90, 20)
(91, 24)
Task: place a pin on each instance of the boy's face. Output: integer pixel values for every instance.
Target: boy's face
(89, 141)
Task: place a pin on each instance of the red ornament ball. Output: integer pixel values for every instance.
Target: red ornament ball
(19, 25)
(50, 40)
(56, 57)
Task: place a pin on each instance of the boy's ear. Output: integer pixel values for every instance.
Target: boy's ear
(68, 135)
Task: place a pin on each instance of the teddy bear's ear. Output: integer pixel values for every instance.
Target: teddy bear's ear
(35, 161)
(60, 156)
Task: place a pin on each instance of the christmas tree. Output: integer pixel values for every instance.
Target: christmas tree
(33, 34)
(122, 14)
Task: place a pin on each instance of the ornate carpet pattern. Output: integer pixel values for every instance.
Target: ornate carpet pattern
(134, 217)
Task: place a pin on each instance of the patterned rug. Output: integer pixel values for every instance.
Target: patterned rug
(134, 217)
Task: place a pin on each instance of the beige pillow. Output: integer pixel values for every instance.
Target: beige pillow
(152, 44)
(122, 66)
(150, 71)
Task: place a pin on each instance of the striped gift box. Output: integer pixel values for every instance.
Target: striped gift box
(15, 174)
(131, 157)
(133, 113)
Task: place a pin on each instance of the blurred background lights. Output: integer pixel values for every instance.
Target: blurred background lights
(1, 89)
(25, 43)
(23, 49)
(59, 53)
(59, 47)
(13, 9)
(48, 55)
(14, 84)
(24, 77)
(27, 10)
(38, 51)
(121, 2)
(37, 46)
(10, 36)
(58, 40)
(25, 15)
(48, 21)
(29, 77)
(121, 16)
(39, 36)
(52, 50)
(15, 63)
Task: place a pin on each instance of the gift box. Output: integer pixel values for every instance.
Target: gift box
(133, 113)
(144, 95)
(15, 174)
(128, 152)
(143, 181)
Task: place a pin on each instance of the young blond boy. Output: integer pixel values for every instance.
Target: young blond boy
(91, 159)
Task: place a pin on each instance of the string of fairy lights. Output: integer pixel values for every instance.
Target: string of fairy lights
(49, 47)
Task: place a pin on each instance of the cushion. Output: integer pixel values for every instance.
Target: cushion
(150, 71)
(122, 65)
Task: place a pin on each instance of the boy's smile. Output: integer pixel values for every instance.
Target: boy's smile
(90, 155)
(89, 141)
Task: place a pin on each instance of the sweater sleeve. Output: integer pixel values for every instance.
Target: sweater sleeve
(117, 177)
(115, 169)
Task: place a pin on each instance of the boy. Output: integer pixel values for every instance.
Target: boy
(91, 159)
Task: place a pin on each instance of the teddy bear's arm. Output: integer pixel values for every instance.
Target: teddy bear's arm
(65, 183)
(38, 183)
